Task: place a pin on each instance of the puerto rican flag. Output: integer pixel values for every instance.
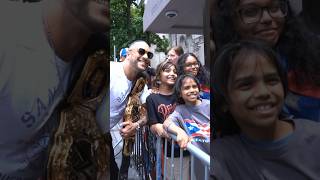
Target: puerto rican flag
(199, 132)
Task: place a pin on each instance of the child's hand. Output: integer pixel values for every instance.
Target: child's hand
(182, 139)
(159, 131)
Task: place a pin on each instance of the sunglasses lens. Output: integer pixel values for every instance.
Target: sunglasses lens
(150, 55)
(141, 51)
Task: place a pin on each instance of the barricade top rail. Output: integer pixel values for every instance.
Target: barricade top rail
(194, 150)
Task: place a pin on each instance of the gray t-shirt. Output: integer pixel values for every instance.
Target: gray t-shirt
(295, 156)
(195, 120)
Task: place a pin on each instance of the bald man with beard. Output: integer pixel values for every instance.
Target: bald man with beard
(123, 76)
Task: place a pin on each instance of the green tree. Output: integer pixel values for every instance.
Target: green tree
(127, 26)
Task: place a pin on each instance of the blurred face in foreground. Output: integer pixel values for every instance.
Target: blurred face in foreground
(255, 92)
(260, 19)
(94, 14)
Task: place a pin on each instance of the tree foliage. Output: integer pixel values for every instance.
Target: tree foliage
(127, 26)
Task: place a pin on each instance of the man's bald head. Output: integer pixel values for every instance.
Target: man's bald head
(138, 44)
(140, 47)
(138, 58)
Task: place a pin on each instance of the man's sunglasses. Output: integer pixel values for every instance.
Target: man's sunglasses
(142, 52)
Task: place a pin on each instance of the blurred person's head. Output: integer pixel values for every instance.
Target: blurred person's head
(272, 21)
(123, 54)
(250, 20)
(93, 15)
(174, 53)
(250, 86)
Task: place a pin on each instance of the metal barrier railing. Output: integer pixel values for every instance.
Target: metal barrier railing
(194, 151)
(147, 153)
(143, 154)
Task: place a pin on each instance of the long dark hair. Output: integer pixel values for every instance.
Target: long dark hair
(203, 74)
(226, 57)
(297, 45)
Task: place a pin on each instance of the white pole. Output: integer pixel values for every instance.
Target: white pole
(114, 51)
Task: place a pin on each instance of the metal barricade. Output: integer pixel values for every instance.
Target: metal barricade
(195, 153)
(143, 154)
(147, 153)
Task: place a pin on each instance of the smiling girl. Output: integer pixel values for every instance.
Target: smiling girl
(189, 63)
(191, 118)
(256, 139)
(161, 104)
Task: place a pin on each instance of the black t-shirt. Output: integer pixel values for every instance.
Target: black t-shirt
(159, 107)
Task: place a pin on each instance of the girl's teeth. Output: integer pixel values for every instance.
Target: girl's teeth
(263, 107)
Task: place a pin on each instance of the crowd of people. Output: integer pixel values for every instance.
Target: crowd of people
(266, 92)
(167, 91)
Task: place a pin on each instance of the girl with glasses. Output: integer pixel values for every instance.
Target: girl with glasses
(188, 63)
(273, 22)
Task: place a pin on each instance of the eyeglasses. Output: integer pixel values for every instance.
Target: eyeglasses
(252, 14)
(142, 52)
(192, 64)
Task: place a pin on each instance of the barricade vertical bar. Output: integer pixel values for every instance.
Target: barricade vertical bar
(192, 167)
(165, 158)
(158, 161)
(140, 153)
(206, 173)
(181, 164)
(138, 147)
(141, 160)
(172, 160)
(195, 153)
(135, 150)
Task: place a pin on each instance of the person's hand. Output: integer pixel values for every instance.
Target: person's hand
(128, 130)
(159, 131)
(183, 139)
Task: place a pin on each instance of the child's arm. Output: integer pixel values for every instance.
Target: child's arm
(182, 137)
(158, 130)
